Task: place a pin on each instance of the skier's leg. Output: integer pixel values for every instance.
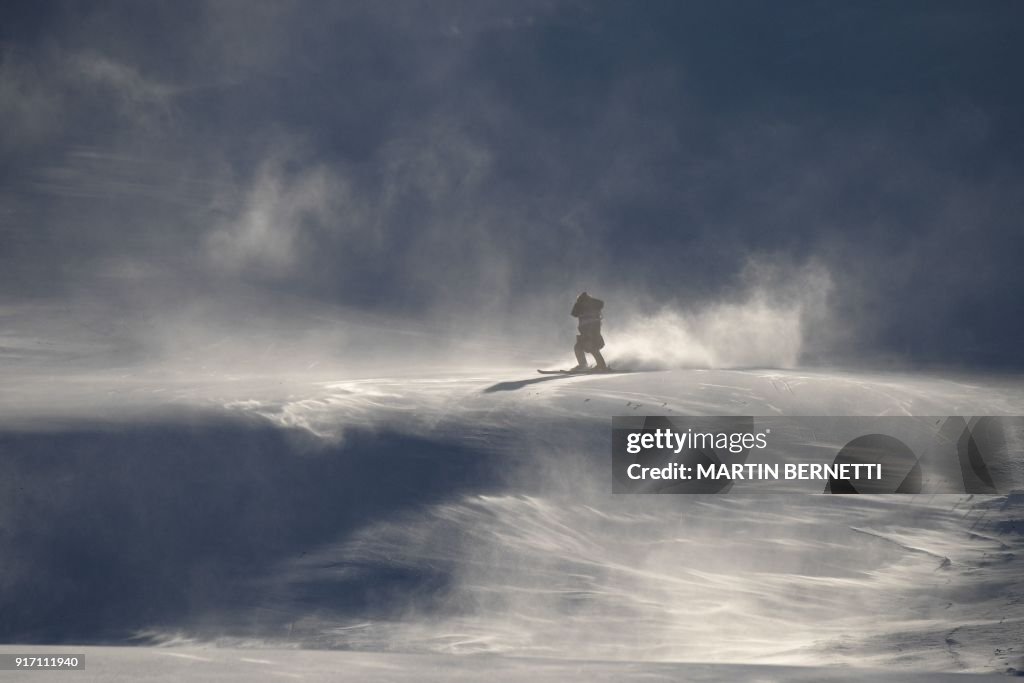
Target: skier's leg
(600, 360)
(581, 357)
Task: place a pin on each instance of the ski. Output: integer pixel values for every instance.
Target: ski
(590, 371)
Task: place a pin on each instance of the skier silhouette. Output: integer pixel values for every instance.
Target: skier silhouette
(589, 340)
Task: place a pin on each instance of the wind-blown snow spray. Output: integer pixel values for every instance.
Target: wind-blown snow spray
(768, 325)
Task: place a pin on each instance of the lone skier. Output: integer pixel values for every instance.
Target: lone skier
(589, 340)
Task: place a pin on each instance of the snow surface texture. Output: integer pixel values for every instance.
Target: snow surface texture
(192, 663)
(470, 514)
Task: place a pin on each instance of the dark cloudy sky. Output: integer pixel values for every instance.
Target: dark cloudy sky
(406, 158)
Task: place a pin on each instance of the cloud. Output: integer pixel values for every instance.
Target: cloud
(31, 108)
(476, 164)
(125, 79)
(277, 213)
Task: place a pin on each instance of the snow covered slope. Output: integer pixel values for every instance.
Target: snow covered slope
(187, 663)
(469, 513)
